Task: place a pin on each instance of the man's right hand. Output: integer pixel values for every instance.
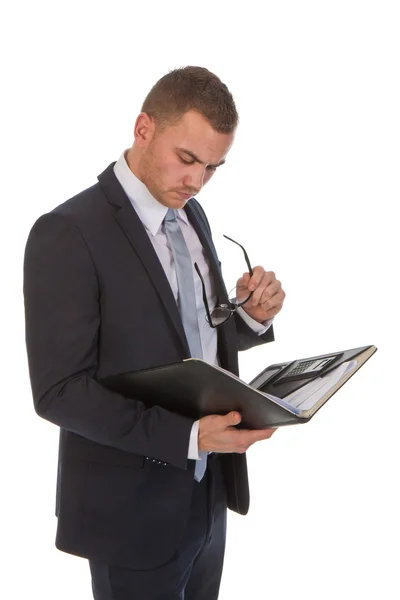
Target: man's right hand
(218, 434)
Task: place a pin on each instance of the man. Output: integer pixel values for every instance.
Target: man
(142, 492)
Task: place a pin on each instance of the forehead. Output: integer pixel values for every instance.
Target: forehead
(195, 133)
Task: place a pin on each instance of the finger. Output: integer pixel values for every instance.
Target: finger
(270, 313)
(249, 436)
(261, 290)
(244, 280)
(258, 274)
(271, 290)
(242, 290)
(275, 302)
(249, 440)
(233, 418)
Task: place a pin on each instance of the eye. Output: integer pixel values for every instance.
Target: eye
(191, 162)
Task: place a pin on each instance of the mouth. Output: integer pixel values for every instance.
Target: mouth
(184, 196)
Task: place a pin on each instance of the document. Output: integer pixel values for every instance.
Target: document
(306, 397)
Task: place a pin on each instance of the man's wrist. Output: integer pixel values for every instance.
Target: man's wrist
(256, 326)
(193, 452)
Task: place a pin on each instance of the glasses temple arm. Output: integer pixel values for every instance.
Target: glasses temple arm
(244, 252)
(204, 293)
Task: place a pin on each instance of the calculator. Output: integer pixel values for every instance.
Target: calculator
(303, 369)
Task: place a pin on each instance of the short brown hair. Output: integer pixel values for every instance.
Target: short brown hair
(191, 88)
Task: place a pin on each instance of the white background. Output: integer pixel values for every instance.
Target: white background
(310, 189)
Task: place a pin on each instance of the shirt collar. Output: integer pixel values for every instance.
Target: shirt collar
(151, 212)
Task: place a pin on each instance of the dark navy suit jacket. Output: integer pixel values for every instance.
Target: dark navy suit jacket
(98, 303)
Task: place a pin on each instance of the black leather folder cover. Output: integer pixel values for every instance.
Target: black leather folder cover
(195, 388)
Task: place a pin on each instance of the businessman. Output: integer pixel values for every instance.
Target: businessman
(124, 276)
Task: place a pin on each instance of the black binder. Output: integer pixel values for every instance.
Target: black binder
(282, 394)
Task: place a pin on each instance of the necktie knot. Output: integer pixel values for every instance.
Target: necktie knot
(170, 215)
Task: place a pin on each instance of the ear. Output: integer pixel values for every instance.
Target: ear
(144, 130)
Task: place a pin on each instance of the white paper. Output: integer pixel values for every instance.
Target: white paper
(307, 396)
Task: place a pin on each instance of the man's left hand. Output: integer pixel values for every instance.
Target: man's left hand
(268, 296)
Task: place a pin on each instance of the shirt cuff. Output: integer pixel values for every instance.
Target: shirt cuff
(193, 452)
(257, 327)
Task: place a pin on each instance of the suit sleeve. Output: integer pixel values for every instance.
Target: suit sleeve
(247, 338)
(62, 325)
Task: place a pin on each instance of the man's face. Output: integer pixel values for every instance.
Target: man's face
(178, 161)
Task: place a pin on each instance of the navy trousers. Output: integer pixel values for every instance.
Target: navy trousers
(194, 572)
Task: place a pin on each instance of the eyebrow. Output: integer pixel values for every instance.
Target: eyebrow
(196, 158)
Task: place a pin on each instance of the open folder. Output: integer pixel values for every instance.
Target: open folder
(282, 394)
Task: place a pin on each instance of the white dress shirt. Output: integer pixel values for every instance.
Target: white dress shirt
(152, 213)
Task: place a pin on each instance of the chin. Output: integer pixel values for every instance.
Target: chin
(173, 202)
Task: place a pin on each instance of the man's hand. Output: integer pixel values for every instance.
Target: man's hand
(218, 434)
(268, 296)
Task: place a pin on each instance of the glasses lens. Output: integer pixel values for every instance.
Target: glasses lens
(220, 315)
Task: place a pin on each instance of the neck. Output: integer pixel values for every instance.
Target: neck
(132, 159)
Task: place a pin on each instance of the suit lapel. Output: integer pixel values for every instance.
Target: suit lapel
(199, 225)
(132, 227)
(227, 337)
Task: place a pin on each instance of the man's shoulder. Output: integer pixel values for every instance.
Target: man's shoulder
(82, 203)
(88, 211)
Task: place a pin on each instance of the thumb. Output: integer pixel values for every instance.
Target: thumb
(245, 278)
(234, 418)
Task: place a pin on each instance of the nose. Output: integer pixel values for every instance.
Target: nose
(195, 181)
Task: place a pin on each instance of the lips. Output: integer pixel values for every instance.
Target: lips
(184, 195)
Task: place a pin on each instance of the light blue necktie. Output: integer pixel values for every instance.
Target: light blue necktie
(186, 301)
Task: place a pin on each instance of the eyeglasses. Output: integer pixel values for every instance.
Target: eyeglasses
(223, 312)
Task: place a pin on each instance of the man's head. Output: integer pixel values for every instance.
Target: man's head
(184, 131)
